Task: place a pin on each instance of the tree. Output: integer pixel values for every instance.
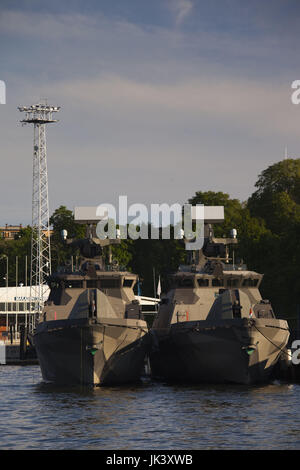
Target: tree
(122, 253)
(233, 209)
(18, 252)
(277, 202)
(63, 219)
(277, 198)
(156, 256)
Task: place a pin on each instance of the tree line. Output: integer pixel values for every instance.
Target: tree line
(268, 226)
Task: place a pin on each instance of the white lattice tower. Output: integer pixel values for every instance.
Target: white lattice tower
(39, 115)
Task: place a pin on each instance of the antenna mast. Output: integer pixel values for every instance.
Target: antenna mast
(39, 115)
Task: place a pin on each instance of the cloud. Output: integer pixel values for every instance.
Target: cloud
(73, 44)
(150, 111)
(251, 105)
(46, 25)
(181, 9)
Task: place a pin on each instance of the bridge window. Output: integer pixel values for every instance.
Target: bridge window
(185, 283)
(203, 282)
(91, 283)
(74, 284)
(250, 282)
(232, 282)
(218, 282)
(109, 283)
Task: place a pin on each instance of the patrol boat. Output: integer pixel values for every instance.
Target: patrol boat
(91, 331)
(212, 324)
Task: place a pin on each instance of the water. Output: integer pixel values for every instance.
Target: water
(148, 416)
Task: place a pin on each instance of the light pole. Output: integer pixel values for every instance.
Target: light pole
(6, 279)
(39, 115)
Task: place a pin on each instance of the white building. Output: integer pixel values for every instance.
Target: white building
(16, 308)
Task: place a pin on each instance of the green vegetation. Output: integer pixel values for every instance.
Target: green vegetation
(268, 226)
(63, 219)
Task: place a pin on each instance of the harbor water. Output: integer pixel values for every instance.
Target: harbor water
(146, 416)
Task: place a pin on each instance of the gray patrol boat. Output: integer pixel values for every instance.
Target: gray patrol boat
(91, 331)
(212, 325)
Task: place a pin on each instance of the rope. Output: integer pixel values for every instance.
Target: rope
(277, 347)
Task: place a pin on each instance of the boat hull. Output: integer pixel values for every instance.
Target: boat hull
(242, 351)
(79, 352)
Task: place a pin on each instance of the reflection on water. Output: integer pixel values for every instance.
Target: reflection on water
(149, 415)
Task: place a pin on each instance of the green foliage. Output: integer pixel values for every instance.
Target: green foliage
(18, 266)
(233, 209)
(277, 199)
(283, 176)
(277, 202)
(123, 253)
(63, 219)
(153, 258)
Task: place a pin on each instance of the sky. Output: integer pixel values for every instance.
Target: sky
(158, 99)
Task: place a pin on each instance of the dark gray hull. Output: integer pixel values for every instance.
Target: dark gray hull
(79, 352)
(238, 351)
